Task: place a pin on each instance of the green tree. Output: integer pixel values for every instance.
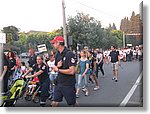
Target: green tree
(11, 33)
(85, 30)
(119, 36)
(108, 39)
(36, 38)
(22, 38)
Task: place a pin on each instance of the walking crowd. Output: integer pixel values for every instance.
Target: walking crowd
(66, 72)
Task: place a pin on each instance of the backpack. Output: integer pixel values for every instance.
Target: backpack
(77, 68)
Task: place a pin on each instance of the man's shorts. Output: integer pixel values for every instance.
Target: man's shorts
(68, 92)
(115, 66)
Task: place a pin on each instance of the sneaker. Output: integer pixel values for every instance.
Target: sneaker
(42, 104)
(77, 95)
(116, 80)
(3, 93)
(96, 88)
(84, 89)
(86, 93)
(113, 78)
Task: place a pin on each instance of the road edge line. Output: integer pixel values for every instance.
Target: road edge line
(130, 93)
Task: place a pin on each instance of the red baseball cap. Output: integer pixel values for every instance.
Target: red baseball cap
(57, 39)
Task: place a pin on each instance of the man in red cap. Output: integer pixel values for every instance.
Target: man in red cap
(57, 39)
(65, 81)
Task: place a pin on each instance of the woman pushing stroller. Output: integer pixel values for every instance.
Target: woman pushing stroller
(41, 71)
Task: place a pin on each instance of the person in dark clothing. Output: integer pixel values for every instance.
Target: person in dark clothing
(41, 70)
(11, 62)
(92, 68)
(115, 60)
(32, 59)
(4, 76)
(65, 66)
(99, 63)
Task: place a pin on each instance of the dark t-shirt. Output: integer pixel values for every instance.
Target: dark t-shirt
(12, 63)
(5, 63)
(42, 77)
(32, 60)
(91, 63)
(68, 59)
(114, 56)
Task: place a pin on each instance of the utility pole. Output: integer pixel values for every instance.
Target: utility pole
(124, 44)
(64, 23)
(2, 42)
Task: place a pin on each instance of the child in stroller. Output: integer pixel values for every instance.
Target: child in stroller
(32, 88)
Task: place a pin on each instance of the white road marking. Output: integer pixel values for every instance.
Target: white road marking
(130, 93)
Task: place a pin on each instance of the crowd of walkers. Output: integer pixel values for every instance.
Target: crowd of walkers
(59, 73)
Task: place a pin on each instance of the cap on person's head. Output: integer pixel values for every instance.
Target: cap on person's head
(57, 39)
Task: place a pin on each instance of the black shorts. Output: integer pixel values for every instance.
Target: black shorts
(68, 92)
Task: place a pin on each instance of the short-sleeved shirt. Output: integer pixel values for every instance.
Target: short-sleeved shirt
(91, 63)
(5, 63)
(99, 57)
(114, 56)
(68, 59)
(51, 64)
(32, 60)
(42, 77)
(12, 63)
(83, 65)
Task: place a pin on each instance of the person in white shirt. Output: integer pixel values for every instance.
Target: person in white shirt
(51, 64)
(140, 54)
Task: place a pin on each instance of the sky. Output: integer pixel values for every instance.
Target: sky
(46, 15)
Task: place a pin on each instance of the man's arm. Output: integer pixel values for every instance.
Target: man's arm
(71, 63)
(69, 71)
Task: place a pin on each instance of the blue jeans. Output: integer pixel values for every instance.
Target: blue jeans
(52, 77)
(82, 81)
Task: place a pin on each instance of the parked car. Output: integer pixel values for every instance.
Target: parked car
(24, 55)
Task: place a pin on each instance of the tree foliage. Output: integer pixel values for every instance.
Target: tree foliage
(11, 33)
(119, 35)
(86, 30)
(83, 28)
(32, 39)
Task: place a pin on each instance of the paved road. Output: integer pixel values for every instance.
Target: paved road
(111, 93)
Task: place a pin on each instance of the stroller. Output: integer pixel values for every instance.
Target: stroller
(33, 92)
(35, 97)
(16, 91)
